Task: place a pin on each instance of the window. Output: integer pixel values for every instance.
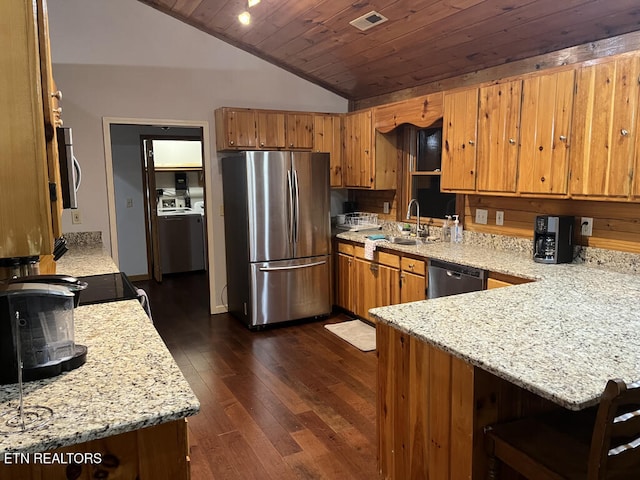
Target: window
(422, 173)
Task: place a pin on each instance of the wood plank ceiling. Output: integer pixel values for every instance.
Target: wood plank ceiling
(423, 41)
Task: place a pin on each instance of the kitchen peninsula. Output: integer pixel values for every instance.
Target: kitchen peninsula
(449, 366)
(128, 402)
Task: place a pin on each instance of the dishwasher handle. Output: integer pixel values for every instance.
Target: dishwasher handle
(452, 274)
(458, 269)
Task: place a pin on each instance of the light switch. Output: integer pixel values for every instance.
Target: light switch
(499, 218)
(385, 207)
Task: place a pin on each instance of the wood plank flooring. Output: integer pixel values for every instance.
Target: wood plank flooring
(293, 402)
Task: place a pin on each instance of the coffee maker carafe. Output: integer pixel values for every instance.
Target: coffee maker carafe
(553, 239)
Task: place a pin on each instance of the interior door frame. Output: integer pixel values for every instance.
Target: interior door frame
(154, 268)
(208, 193)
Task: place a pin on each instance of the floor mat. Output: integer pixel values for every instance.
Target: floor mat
(357, 333)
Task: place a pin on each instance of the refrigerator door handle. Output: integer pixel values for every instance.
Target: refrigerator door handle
(296, 267)
(291, 207)
(297, 210)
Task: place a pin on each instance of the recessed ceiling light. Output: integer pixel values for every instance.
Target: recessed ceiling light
(253, 3)
(245, 18)
(368, 20)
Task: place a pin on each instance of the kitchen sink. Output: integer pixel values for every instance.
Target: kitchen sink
(403, 240)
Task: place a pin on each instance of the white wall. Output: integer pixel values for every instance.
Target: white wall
(124, 59)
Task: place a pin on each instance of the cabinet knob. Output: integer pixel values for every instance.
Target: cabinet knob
(291, 145)
(624, 132)
(411, 266)
(232, 142)
(59, 122)
(563, 138)
(472, 142)
(57, 94)
(262, 144)
(512, 141)
(57, 110)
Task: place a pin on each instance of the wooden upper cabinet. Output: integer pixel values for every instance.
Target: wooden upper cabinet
(421, 111)
(299, 130)
(459, 138)
(52, 116)
(547, 105)
(604, 128)
(498, 137)
(271, 129)
(251, 129)
(370, 158)
(236, 128)
(357, 150)
(327, 137)
(27, 140)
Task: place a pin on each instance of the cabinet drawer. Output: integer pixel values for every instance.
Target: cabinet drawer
(345, 248)
(382, 258)
(412, 265)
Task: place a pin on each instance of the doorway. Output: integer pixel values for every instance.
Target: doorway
(132, 196)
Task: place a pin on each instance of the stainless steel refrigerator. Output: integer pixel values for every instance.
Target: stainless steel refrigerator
(277, 232)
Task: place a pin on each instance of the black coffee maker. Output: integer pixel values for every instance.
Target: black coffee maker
(553, 239)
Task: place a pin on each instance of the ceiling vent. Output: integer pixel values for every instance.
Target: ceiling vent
(368, 20)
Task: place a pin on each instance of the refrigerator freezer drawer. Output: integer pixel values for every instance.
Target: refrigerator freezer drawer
(289, 290)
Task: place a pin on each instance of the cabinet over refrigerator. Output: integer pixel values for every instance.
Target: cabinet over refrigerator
(277, 232)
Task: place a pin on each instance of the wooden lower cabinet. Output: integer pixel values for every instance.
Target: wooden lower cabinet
(376, 285)
(413, 280)
(159, 452)
(344, 281)
(432, 408)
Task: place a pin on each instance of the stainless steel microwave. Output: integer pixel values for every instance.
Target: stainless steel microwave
(70, 172)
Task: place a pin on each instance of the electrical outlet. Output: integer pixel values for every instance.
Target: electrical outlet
(75, 217)
(221, 210)
(481, 216)
(499, 218)
(587, 226)
(385, 207)
(129, 202)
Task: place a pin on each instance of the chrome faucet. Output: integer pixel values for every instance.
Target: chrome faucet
(411, 202)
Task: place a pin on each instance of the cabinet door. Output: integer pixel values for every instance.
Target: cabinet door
(498, 137)
(271, 129)
(547, 104)
(603, 128)
(412, 287)
(299, 130)
(459, 136)
(357, 155)
(52, 116)
(25, 207)
(377, 286)
(344, 281)
(241, 128)
(327, 137)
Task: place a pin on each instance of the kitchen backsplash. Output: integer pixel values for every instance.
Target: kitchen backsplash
(623, 262)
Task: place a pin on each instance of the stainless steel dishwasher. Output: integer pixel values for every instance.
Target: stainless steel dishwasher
(181, 239)
(447, 278)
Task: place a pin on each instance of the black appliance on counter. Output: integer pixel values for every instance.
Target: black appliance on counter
(37, 332)
(553, 239)
(107, 287)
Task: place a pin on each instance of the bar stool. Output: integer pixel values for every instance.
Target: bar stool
(595, 444)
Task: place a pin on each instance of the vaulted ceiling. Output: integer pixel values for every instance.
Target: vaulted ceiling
(423, 40)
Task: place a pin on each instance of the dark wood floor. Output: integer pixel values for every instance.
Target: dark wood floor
(292, 402)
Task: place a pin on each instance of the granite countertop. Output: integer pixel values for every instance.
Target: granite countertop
(130, 380)
(561, 337)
